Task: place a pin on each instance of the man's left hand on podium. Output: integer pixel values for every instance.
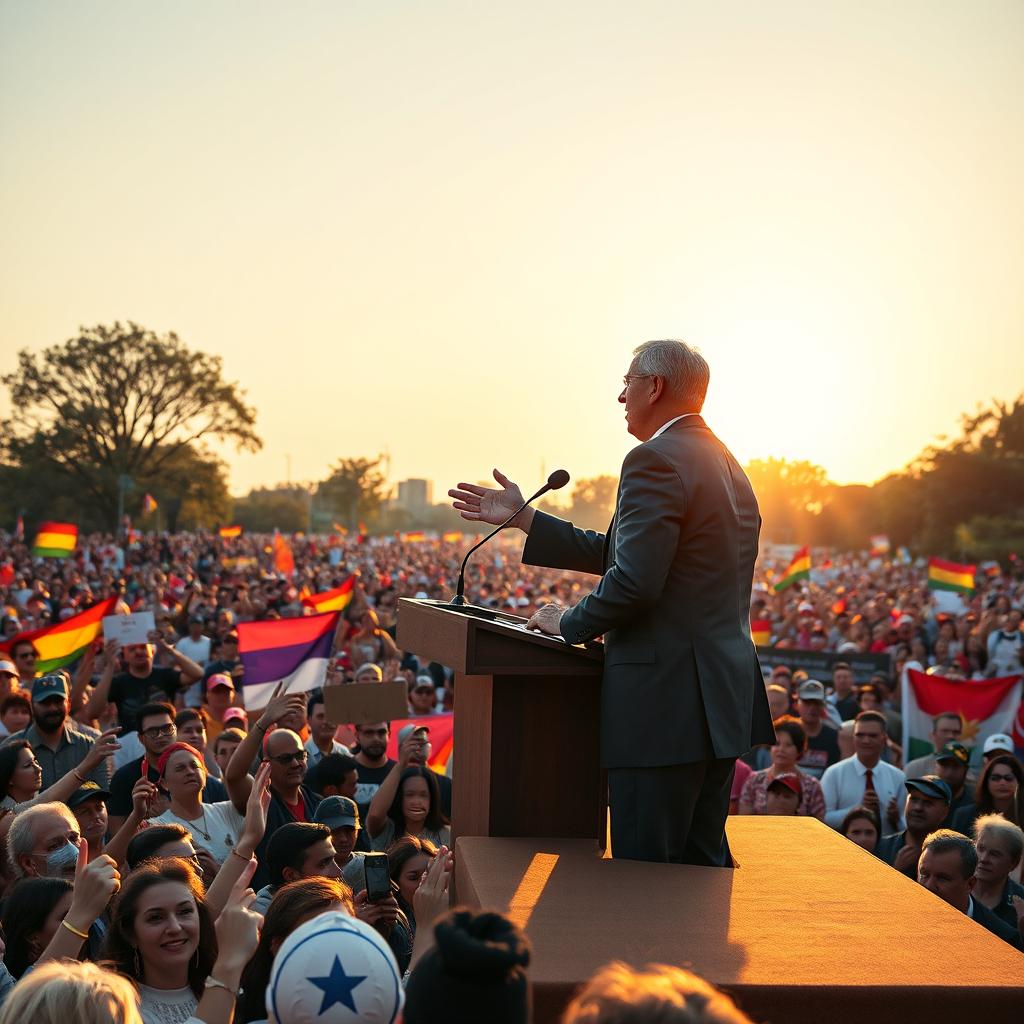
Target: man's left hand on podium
(546, 619)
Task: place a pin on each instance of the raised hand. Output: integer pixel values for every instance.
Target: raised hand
(144, 793)
(95, 884)
(238, 928)
(256, 811)
(431, 899)
(281, 706)
(103, 748)
(488, 504)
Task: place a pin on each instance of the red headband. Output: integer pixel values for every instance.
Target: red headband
(173, 749)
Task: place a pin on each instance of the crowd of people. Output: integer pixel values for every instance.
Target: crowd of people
(201, 859)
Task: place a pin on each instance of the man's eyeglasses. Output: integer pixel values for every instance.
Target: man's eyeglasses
(630, 377)
(298, 756)
(155, 731)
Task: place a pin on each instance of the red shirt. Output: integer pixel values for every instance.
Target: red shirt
(297, 811)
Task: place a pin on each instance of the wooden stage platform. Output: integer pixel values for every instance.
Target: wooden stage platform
(809, 928)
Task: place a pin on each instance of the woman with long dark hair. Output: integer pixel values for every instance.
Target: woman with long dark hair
(162, 937)
(33, 912)
(21, 778)
(293, 904)
(1000, 790)
(408, 803)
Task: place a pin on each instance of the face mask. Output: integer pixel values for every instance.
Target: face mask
(57, 862)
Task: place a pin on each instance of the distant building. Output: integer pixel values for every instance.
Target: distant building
(415, 494)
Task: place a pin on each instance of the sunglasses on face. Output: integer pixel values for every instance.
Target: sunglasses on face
(298, 756)
(155, 731)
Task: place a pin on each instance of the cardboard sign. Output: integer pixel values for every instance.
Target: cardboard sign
(129, 629)
(366, 702)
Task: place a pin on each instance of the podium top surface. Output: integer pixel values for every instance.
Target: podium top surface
(806, 907)
(481, 646)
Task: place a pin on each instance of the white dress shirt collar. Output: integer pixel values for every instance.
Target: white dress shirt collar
(661, 430)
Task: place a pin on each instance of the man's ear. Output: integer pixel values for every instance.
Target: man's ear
(971, 883)
(290, 875)
(26, 864)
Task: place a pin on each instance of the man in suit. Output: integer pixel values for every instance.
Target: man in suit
(682, 694)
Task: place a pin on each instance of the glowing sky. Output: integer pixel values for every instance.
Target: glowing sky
(439, 228)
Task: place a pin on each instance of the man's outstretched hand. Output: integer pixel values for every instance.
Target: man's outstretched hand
(491, 504)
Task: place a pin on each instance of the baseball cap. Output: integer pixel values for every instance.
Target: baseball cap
(424, 682)
(788, 779)
(86, 791)
(235, 714)
(931, 785)
(954, 751)
(53, 685)
(407, 730)
(336, 811)
(998, 741)
(334, 969)
(219, 679)
(811, 689)
(8, 668)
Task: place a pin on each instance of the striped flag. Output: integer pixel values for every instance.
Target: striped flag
(55, 540)
(413, 536)
(985, 706)
(148, 504)
(761, 632)
(879, 545)
(451, 536)
(943, 575)
(336, 600)
(292, 652)
(798, 569)
(230, 532)
(66, 642)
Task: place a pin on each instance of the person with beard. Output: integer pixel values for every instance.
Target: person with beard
(927, 807)
(59, 748)
(290, 799)
(372, 762)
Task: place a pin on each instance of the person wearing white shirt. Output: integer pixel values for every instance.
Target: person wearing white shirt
(197, 647)
(865, 780)
(321, 740)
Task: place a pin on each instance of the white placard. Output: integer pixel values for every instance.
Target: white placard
(129, 629)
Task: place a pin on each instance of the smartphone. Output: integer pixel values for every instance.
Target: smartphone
(378, 877)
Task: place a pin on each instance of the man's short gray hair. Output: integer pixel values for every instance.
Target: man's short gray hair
(1011, 835)
(945, 840)
(684, 370)
(21, 839)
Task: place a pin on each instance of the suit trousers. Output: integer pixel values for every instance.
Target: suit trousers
(673, 814)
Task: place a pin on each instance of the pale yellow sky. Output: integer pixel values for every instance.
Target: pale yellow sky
(440, 228)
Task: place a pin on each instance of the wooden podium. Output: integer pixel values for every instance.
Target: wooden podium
(527, 727)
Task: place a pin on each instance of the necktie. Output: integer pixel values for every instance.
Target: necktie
(869, 782)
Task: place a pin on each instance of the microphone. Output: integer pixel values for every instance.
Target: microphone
(559, 478)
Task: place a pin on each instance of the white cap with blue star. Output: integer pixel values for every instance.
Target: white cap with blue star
(334, 969)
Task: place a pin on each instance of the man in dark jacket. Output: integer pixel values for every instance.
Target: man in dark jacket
(682, 693)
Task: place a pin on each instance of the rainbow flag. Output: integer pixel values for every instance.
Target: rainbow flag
(55, 540)
(798, 569)
(336, 600)
(761, 632)
(413, 536)
(148, 504)
(66, 642)
(451, 536)
(944, 575)
(230, 532)
(292, 652)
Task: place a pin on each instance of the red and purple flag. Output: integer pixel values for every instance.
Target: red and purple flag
(292, 652)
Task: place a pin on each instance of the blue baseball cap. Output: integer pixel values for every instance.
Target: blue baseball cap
(52, 685)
